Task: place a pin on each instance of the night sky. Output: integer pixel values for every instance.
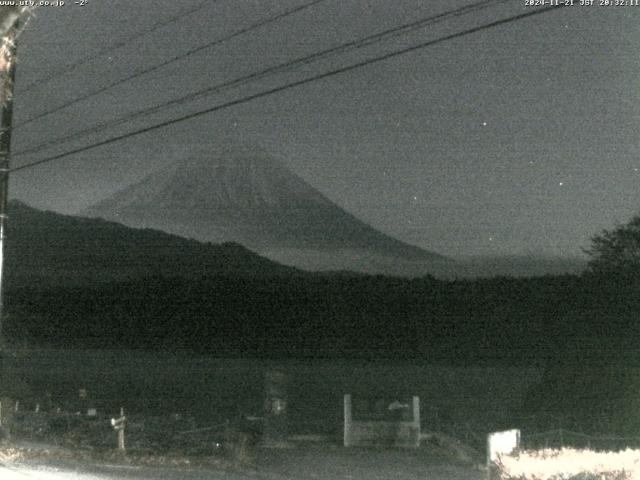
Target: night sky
(523, 138)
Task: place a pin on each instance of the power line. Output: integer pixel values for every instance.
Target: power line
(366, 41)
(172, 60)
(288, 86)
(394, 32)
(280, 68)
(114, 46)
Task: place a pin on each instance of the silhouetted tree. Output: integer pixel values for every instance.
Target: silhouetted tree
(616, 251)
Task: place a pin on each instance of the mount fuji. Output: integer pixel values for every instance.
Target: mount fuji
(244, 195)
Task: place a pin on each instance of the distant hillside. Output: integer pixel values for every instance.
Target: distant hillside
(52, 248)
(246, 196)
(519, 266)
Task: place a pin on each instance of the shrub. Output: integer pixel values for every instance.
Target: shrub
(570, 464)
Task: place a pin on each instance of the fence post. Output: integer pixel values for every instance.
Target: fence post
(347, 420)
(489, 462)
(416, 418)
(119, 424)
(121, 445)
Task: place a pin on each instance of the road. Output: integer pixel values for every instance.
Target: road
(295, 464)
(67, 471)
(108, 472)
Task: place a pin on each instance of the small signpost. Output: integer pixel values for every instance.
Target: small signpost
(500, 443)
(382, 421)
(118, 425)
(276, 425)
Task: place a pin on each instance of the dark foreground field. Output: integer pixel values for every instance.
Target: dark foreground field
(211, 390)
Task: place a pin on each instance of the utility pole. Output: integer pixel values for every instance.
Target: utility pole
(7, 78)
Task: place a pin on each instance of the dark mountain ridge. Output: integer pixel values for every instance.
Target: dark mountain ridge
(52, 248)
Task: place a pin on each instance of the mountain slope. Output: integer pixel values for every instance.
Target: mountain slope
(245, 196)
(49, 247)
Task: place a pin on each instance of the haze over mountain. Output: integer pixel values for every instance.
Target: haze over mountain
(244, 195)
